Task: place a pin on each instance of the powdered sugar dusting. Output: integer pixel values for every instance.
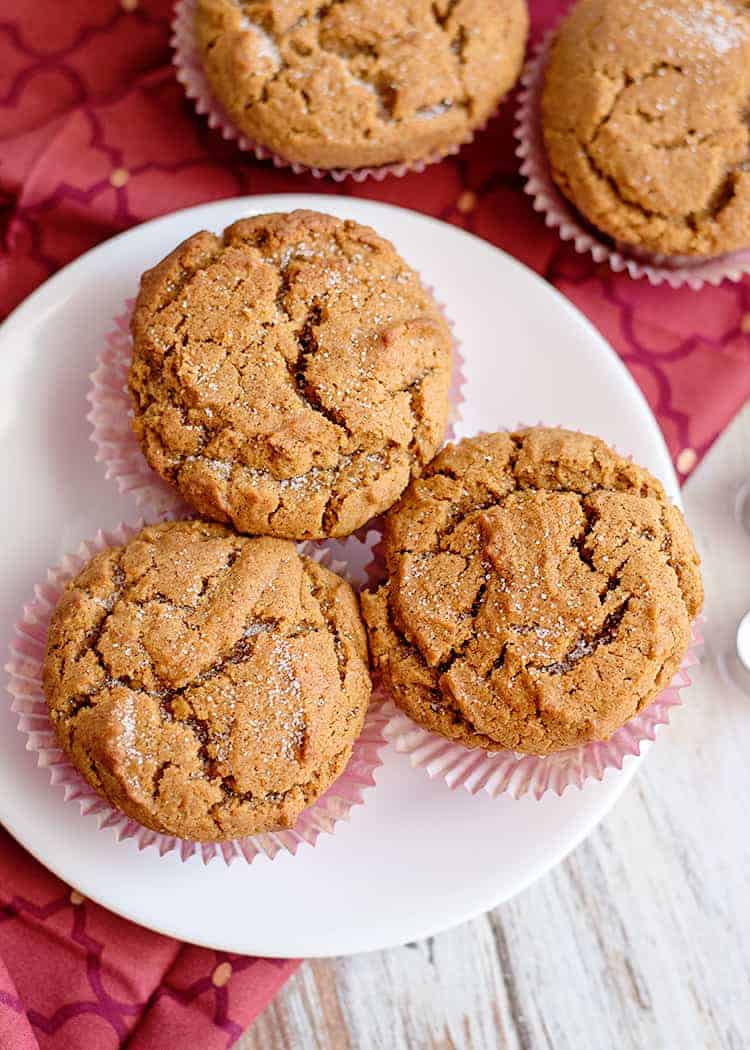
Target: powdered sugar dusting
(427, 112)
(707, 23)
(252, 629)
(128, 720)
(286, 696)
(266, 46)
(222, 468)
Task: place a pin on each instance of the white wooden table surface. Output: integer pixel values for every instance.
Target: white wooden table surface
(641, 938)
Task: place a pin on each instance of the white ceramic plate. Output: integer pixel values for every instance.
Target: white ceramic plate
(417, 857)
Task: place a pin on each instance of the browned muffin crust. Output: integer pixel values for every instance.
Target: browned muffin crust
(360, 82)
(541, 591)
(209, 685)
(645, 120)
(290, 376)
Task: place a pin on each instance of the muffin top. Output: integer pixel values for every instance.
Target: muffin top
(360, 82)
(209, 685)
(644, 114)
(541, 590)
(289, 376)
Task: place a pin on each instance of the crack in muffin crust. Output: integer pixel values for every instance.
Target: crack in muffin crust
(208, 685)
(540, 591)
(360, 82)
(645, 120)
(290, 376)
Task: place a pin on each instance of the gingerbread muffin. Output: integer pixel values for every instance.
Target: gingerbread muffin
(360, 82)
(289, 376)
(209, 685)
(540, 592)
(644, 115)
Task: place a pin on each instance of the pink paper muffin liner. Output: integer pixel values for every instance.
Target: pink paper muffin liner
(187, 62)
(111, 416)
(25, 666)
(560, 214)
(513, 772)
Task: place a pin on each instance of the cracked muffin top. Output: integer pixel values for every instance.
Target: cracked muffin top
(350, 83)
(209, 685)
(289, 376)
(645, 120)
(540, 592)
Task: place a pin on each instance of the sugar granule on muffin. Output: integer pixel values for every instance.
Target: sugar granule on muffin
(644, 117)
(290, 376)
(208, 685)
(360, 82)
(540, 592)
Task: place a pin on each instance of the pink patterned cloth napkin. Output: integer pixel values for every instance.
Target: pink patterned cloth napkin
(96, 135)
(73, 976)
